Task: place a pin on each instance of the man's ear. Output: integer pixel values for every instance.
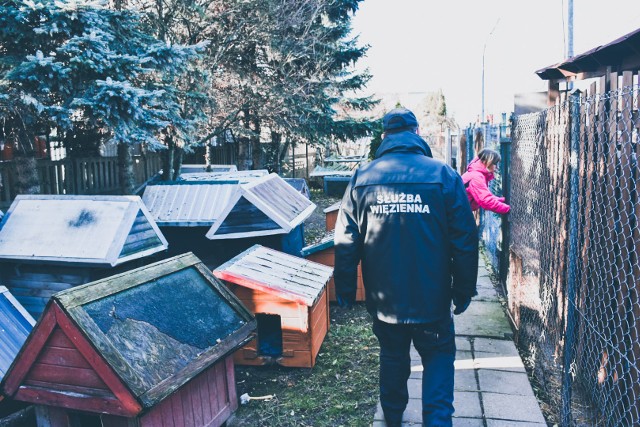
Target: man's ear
(417, 130)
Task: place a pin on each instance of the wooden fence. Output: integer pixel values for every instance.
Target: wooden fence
(97, 175)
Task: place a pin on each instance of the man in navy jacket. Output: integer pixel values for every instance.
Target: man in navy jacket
(406, 216)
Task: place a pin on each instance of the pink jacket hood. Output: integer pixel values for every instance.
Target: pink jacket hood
(476, 180)
(477, 166)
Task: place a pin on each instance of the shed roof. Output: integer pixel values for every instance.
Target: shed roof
(622, 54)
(208, 168)
(324, 243)
(240, 176)
(334, 207)
(96, 230)
(141, 339)
(264, 206)
(190, 203)
(15, 325)
(287, 276)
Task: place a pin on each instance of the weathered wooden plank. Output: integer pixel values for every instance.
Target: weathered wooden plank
(200, 383)
(105, 371)
(65, 400)
(230, 380)
(187, 410)
(27, 287)
(176, 409)
(167, 413)
(58, 339)
(69, 357)
(65, 375)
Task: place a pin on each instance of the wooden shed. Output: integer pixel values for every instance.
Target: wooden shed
(288, 296)
(51, 243)
(323, 252)
(135, 349)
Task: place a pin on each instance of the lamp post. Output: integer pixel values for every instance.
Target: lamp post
(484, 48)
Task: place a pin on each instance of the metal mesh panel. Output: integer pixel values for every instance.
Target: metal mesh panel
(579, 331)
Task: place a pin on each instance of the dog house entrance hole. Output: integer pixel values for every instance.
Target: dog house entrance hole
(269, 335)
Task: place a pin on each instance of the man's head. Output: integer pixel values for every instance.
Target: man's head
(399, 120)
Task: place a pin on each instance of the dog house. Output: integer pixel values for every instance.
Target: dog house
(15, 325)
(300, 184)
(288, 296)
(135, 349)
(331, 215)
(188, 211)
(51, 243)
(323, 252)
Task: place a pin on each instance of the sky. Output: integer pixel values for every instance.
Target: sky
(425, 45)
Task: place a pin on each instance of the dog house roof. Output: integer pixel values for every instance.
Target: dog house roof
(98, 230)
(287, 276)
(144, 333)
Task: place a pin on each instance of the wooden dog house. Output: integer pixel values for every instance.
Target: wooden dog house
(323, 252)
(289, 298)
(136, 349)
(331, 215)
(51, 243)
(217, 220)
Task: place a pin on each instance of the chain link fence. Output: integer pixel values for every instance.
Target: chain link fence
(573, 267)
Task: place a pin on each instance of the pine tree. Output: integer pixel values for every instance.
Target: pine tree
(82, 69)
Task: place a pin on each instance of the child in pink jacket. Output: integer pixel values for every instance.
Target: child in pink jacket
(476, 180)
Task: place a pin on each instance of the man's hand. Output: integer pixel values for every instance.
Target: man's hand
(461, 304)
(345, 301)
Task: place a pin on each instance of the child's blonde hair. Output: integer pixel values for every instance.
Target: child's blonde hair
(489, 157)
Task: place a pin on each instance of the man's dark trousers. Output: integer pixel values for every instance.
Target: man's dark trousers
(436, 345)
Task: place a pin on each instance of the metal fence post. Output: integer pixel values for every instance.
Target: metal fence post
(505, 173)
(574, 105)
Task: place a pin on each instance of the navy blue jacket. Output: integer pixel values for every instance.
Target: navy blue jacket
(407, 217)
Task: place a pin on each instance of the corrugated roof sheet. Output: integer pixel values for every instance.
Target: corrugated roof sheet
(287, 276)
(99, 230)
(15, 326)
(622, 54)
(190, 204)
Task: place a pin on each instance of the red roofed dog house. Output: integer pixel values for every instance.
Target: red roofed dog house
(136, 349)
(324, 253)
(288, 296)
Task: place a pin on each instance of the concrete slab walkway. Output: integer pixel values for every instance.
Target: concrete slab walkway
(491, 385)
